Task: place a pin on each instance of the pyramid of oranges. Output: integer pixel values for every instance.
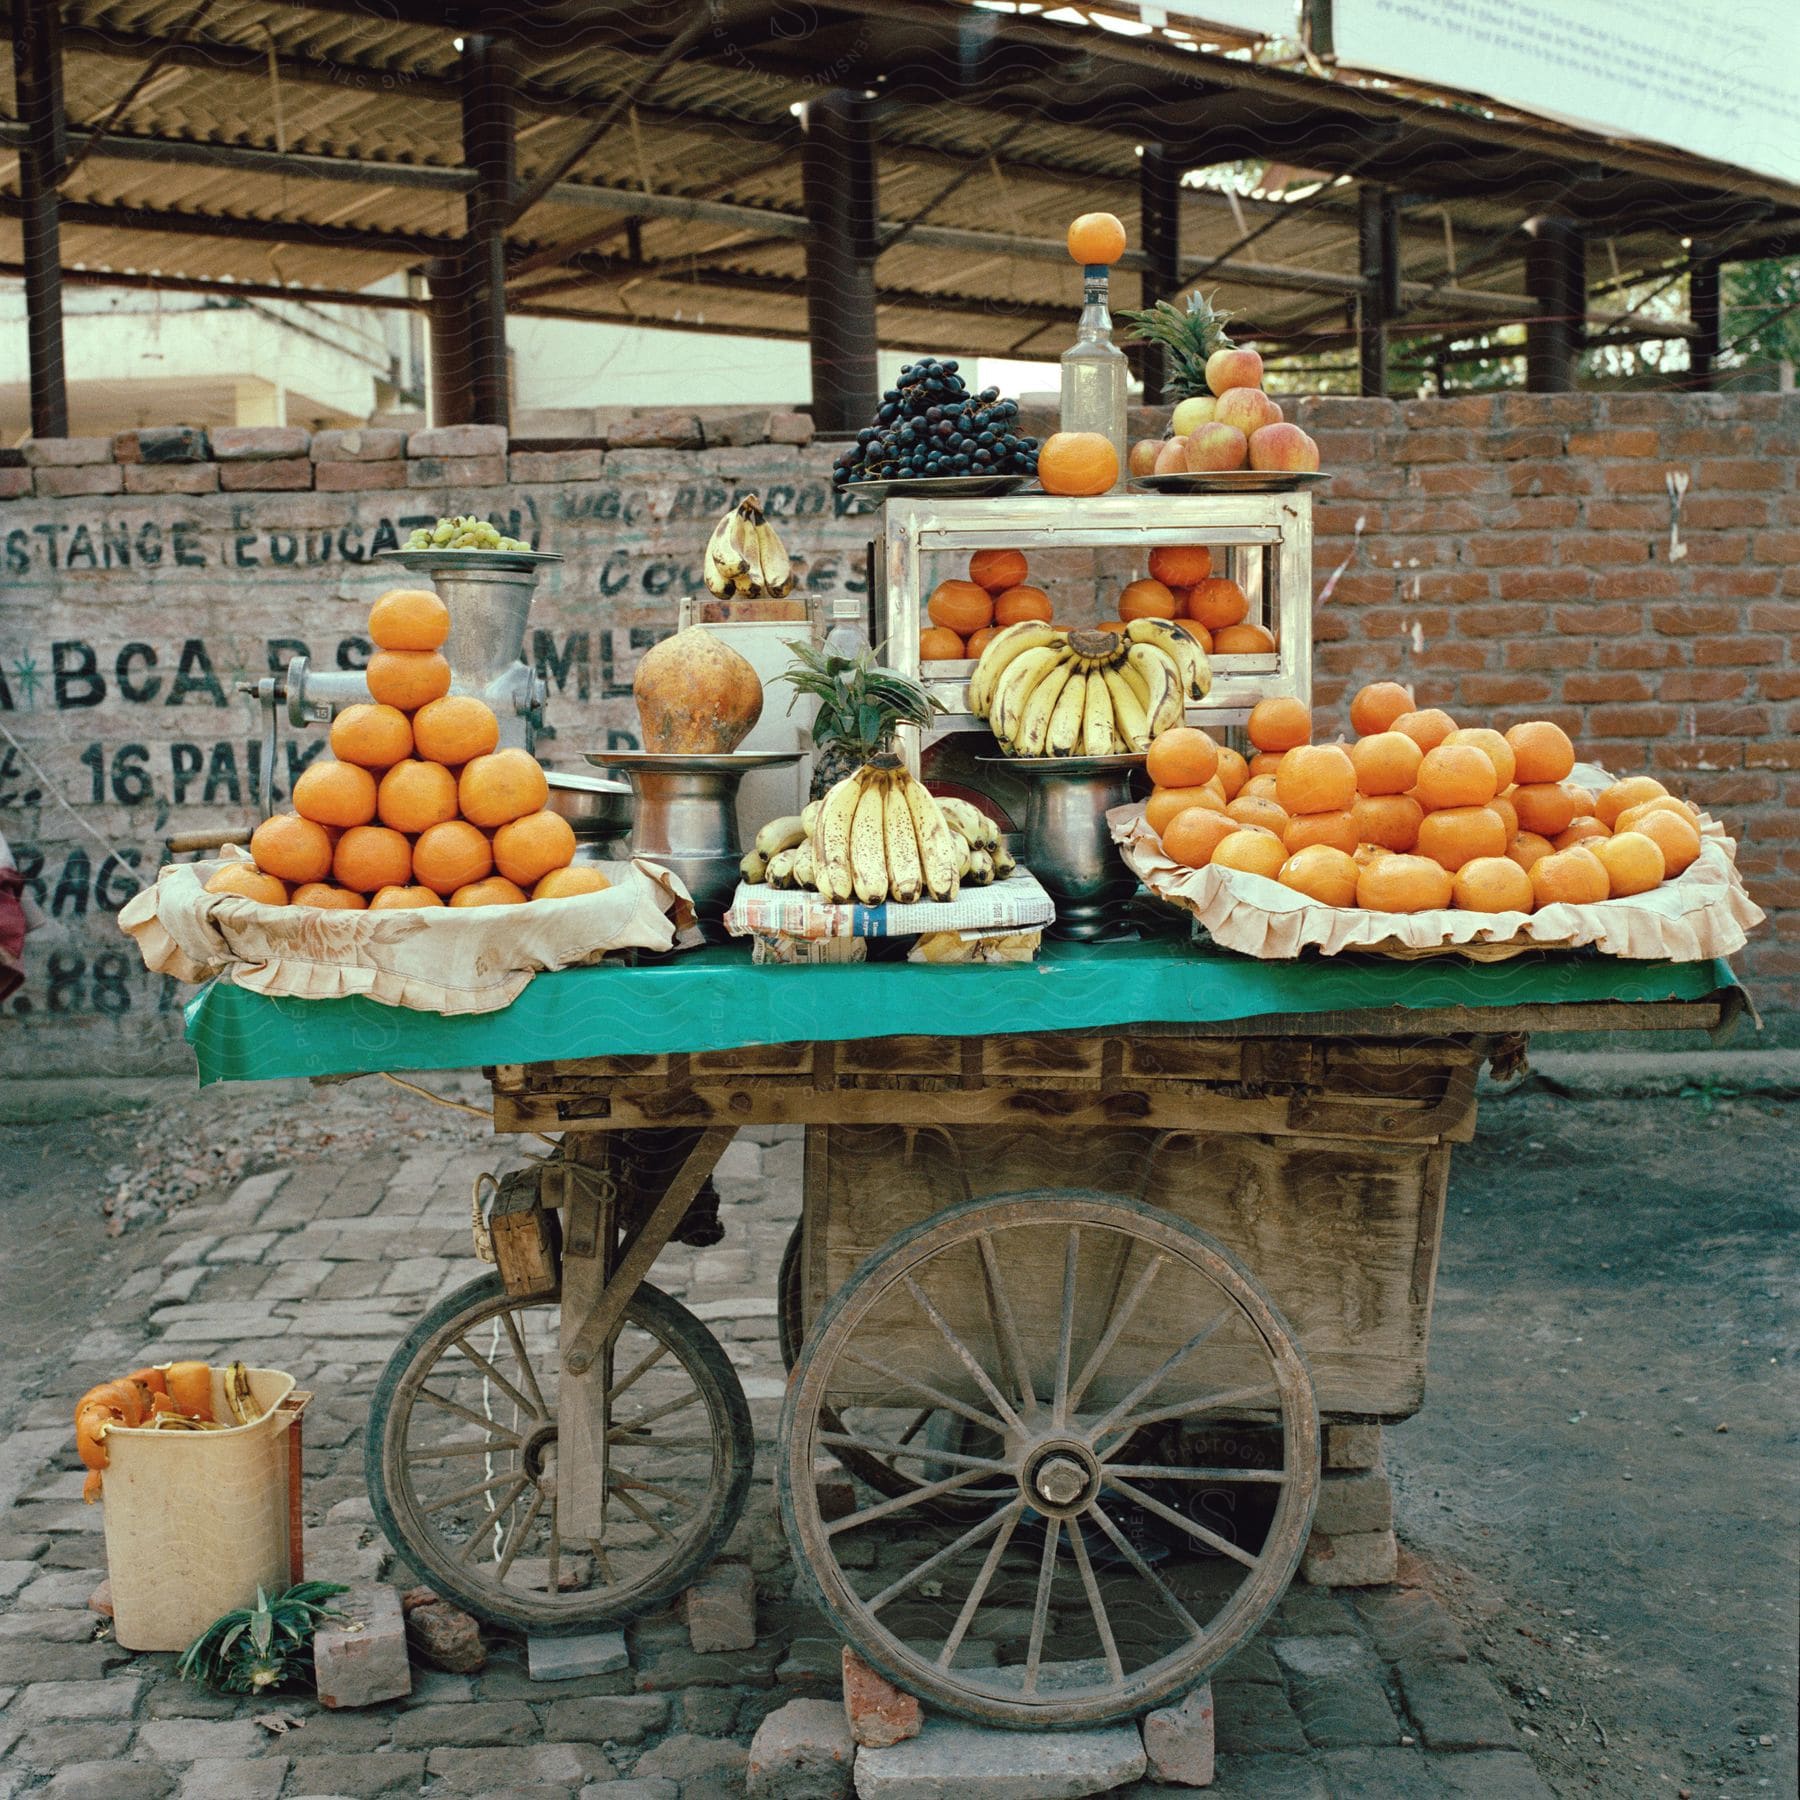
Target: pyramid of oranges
(1415, 813)
(417, 805)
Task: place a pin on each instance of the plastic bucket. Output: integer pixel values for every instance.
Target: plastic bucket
(196, 1521)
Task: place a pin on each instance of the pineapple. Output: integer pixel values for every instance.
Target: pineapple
(860, 707)
(252, 1649)
(1189, 338)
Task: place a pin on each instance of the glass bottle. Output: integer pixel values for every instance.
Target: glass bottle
(1095, 373)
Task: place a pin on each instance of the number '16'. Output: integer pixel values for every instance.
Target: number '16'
(130, 779)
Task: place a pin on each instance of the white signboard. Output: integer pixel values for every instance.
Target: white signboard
(1242, 18)
(1718, 78)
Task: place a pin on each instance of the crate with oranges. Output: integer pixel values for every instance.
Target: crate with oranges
(417, 805)
(1416, 814)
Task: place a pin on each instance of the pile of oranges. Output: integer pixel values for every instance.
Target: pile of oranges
(1181, 585)
(417, 805)
(1416, 813)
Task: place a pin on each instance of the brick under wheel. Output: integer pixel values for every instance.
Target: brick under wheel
(460, 1459)
(1058, 1325)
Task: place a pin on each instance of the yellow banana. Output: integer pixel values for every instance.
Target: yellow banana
(1022, 675)
(1097, 717)
(802, 873)
(1128, 709)
(772, 556)
(780, 834)
(868, 844)
(1190, 659)
(1160, 670)
(781, 867)
(905, 871)
(981, 868)
(831, 853)
(940, 861)
(1034, 722)
(1002, 649)
(1066, 720)
(239, 1400)
(753, 866)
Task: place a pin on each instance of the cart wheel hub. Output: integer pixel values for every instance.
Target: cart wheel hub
(539, 1453)
(1061, 1478)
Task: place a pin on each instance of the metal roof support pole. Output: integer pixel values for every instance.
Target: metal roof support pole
(488, 123)
(37, 81)
(451, 395)
(837, 171)
(1556, 280)
(1378, 246)
(1703, 309)
(1159, 229)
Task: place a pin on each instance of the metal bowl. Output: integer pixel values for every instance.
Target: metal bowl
(595, 806)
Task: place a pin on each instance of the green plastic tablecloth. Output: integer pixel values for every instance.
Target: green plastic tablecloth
(718, 999)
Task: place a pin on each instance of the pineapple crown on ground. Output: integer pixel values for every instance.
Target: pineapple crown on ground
(1190, 337)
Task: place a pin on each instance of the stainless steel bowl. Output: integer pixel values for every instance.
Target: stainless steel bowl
(599, 811)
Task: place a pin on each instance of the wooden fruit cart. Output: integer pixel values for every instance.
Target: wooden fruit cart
(1078, 1276)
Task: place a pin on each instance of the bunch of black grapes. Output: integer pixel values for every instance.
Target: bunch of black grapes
(931, 425)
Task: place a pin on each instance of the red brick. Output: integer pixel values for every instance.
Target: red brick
(1334, 520)
(251, 477)
(1635, 478)
(1328, 626)
(1781, 684)
(1316, 412)
(1708, 440)
(1745, 584)
(1696, 755)
(1499, 621)
(361, 443)
(1636, 584)
(1514, 549)
(171, 478)
(1546, 409)
(1398, 621)
(1544, 584)
(65, 482)
(1464, 409)
(1697, 684)
(1358, 589)
(1430, 517)
(1722, 512)
(440, 441)
(1607, 621)
(1784, 754)
(1740, 474)
(1634, 721)
(1696, 615)
(1717, 547)
(1639, 653)
(1622, 756)
(1583, 689)
(1777, 615)
(259, 443)
(1450, 656)
(1731, 721)
(1511, 446)
(1433, 447)
(1730, 652)
(1599, 549)
(1505, 690)
(1542, 514)
(1627, 515)
(1450, 586)
(1549, 652)
(1549, 478)
(1339, 447)
(66, 452)
(790, 428)
(14, 483)
(1458, 478)
(560, 465)
(1405, 552)
(359, 477)
(1613, 443)
(455, 471)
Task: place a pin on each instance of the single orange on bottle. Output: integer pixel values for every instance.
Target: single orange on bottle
(1251, 851)
(1280, 722)
(326, 897)
(369, 857)
(1375, 707)
(1388, 820)
(1634, 790)
(1541, 752)
(1546, 807)
(1183, 756)
(1427, 728)
(527, 849)
(455, 729)
(936, 644)
(1323, 873)
(1194, 834)
(1146, 599)
(1386, 762)
(1492, 884)
(1017, 604)
(1455, 775)
(409, 619)
(414, 796)
(564, 884)
(451, 856)
(407, 679)
(1574, 877)
(291, 848)
(502, 786)
(373, 737)
(398, 898)
(495, 890)
(1077, 462)
(1233, 771)
(1316, 778)
(1180, 565)
(1633, 861)
(250, 883)
(1527, 847)
(997, 570)
(1459, 834)
(1674, 836)
(1244, 640)
(1216, 603)
(1338, 829)
(335, 793)
(1493, 746)
(960, 606)
(1403, 884)
(1097, 237)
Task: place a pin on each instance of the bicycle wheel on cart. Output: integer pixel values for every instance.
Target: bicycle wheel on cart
(461, 1459)
(1069, 1331)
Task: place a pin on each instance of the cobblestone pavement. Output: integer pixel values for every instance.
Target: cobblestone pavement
(319, 1266)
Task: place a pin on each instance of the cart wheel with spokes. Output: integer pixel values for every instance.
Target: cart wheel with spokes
(1074, 1584)
(461, 1459)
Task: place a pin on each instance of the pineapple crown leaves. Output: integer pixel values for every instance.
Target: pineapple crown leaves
(859, 701)
(1190, 337)
(250, 1648)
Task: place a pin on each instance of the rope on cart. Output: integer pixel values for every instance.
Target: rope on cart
(477, 1112)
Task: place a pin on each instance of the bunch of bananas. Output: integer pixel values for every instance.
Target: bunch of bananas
(1049, 692)
(745, 557)
(878, 835)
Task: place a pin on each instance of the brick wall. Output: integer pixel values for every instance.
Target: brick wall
(1508, 555)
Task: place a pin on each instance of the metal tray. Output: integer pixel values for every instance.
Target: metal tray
(422, 562)
(936, 487)
(1230, 481)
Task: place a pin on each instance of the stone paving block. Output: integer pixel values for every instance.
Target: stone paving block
(565, 1658)
(362, 1660)
(1270, 1778)
(812, 1663)
(14, 1575)
(1491, 1775)
(720, 1608)
(1362, 1559)
(616, 1719)
(693, 1760)
(1455, 1707)
(1179, 1740)
(1344, 1710)
(1353, 1501)
(1307, 1612)
(187, 1740)
(385, 1772)
(231, 1778)
(1352, 1446)
(66, 1587)
(505, 1771)
(1407, 1624)
(109, 1781)
(950, 1760)
(647, 1787)
(1379, 1775)
(710, 1712)
(802, 1751)
(878, 1713)
(63, 1741)
(1253, 1720)
(479, 1722)
(670, 1669)
(115, 1698)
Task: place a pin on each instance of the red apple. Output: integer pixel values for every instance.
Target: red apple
(1226, 369)
(1275, 408)
(1142, 460)
(1171, 457)
(1248, 408)
(1217, 446)
(1284, 447)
